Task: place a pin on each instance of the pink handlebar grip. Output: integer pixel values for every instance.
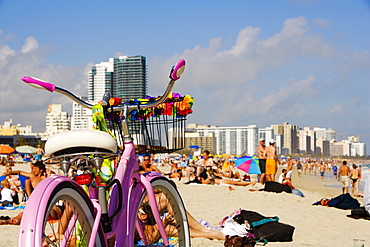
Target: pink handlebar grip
(37, 83)
(177, 70)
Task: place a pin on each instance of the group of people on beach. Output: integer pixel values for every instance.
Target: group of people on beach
(9, 193)
(23, 157)
(205, 170)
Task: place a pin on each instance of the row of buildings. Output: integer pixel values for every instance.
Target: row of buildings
(289, 139)
(126, 77)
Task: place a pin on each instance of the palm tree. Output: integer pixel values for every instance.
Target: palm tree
(21, 141)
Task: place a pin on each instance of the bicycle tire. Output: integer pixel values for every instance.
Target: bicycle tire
(177, 229)
(74, 200)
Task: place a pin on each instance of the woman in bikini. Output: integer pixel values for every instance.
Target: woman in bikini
(355, 174)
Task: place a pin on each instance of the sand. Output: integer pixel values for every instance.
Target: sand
(314, 225)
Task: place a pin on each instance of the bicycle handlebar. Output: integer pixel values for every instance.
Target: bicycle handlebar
(175, 74)
(39, 84)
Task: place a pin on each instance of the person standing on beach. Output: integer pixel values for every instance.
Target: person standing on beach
(288, 176)
(343, 176)
(271, 161)
(335, 171)
(299, 168)
(322, 171)
(355, 175)
(262, 160)
(39, 153)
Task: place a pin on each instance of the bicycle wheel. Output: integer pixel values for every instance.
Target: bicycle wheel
(172, 213)
(69, 218)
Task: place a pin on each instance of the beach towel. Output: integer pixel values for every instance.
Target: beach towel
(344, 201)
(12, 208)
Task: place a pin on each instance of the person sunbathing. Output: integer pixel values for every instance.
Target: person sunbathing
(213, 179)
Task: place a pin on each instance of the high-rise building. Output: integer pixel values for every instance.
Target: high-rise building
(266, 133)
(81, 116)
(289, 133)
(322, 146)
(358, 149)
(306, 141)
(123, 77)
(327, 134)
(57, 121)
(231, 140)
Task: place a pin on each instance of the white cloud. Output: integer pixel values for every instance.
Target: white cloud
(31, 44)
(238, 85)
(22, 103)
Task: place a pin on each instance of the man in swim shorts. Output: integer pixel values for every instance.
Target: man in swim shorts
(343, 176)
(262, 160)
(271, 161)
(288, 176)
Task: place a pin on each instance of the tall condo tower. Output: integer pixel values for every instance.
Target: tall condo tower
(123, 77)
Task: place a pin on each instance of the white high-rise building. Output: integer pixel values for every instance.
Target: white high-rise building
(81, 116)
(327, 134)
(358, 149)
(266, 133)
(289, 135)
(232, 140)
(306, 141)
(123, 77)
(57, 121)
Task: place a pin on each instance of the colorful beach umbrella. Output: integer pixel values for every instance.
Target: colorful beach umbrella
(26, 149)
(194, 146)
(5, 149)
(248, 164)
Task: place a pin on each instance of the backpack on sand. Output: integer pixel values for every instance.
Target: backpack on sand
(266, 227)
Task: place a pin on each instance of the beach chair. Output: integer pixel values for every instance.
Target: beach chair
(1, 179)
(22, 180)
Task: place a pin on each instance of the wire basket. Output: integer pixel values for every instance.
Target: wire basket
(160, 129)
(162, 134)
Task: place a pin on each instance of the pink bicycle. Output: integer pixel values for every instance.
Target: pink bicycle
(129, 209)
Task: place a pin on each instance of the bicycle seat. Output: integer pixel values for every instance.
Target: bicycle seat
(80, 141)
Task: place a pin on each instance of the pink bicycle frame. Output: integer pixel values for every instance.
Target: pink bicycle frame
(121, 224)
(133, 185)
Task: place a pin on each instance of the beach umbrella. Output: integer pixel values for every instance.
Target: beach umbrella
(175, 155)
(248, 164)
(194, 146)
(5, 149)
(26, 149)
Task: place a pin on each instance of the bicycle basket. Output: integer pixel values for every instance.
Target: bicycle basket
(162, 134)
(160, 129)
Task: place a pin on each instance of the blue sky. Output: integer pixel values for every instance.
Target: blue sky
(306, 62)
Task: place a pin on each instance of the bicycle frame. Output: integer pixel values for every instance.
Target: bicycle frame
(131, 181)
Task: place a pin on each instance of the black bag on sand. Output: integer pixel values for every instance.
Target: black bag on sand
(266, 227)
(236, 241)
(359, 213)
(272, 186)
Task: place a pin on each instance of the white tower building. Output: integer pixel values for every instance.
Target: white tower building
(57, 121)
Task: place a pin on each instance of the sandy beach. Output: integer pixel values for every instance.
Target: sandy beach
(314, 225)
